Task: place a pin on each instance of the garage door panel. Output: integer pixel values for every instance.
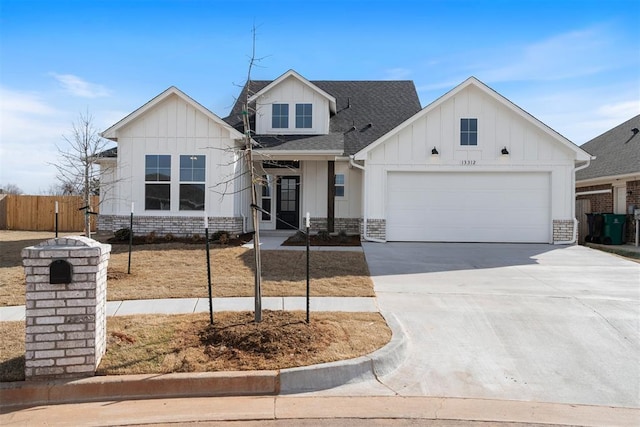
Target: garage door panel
(468, 207)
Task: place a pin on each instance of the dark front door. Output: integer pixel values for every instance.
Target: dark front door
(288, 210)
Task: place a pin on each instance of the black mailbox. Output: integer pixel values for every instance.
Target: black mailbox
(59, 272)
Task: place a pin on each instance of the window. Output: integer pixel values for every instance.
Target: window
(280, 116)
(339, 184)
(157, 190)
(192, 182)
(266, 196)
(303, 116)
(468, 131)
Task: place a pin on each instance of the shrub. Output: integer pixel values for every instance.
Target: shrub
(342, 236)
(169, 237)
(299, 237)
(324, 235)
(220, 236)
(122, 234)
(150, 238)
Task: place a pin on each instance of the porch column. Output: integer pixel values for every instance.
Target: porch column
(331, 194)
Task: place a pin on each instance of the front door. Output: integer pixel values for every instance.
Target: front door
(288, 210)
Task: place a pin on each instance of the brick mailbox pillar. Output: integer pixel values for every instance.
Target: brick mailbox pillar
(66, 319)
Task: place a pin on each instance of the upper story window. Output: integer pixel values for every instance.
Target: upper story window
(192, 182)
(468, 131)
(280, 116)
(303, 116)
(157, 189)
(339, 185)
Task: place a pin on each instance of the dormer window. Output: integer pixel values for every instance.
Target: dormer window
(304, 116)
(280, 116)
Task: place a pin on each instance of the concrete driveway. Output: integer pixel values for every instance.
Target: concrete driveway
(510, 321)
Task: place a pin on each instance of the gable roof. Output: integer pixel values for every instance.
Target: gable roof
(112, 132)
(293, 74)
(581, 155)
(365, 110)
(617, 152)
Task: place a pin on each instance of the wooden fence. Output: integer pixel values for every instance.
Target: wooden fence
(583, 207)
(37, 213)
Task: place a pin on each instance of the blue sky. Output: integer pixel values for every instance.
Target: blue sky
(573, 64)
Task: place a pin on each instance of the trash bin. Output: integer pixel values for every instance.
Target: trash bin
(595, 222)
(613, 229)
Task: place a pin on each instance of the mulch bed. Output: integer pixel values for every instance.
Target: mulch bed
(196, 239)
(316, 240)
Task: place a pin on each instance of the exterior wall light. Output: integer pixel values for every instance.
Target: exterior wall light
(434, 151)
(505, 152)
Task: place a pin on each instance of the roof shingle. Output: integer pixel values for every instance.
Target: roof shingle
(617, 152)
(365, 111)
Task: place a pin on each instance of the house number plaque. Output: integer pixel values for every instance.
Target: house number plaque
(467, 162)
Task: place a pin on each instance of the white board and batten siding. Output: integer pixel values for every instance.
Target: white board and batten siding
(176, 127)
(292, 91)
(470, 193)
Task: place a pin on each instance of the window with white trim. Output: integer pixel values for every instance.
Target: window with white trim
(339, 185)
(192, 182)
(468, 131)
(280, 116)
(304, 117)
(157, 178)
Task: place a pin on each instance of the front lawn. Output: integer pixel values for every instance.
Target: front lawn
(179, 270)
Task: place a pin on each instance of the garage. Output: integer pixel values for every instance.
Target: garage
(469, 207)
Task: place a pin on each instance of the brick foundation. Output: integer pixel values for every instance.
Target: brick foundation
(376, 229)
(66, 323)
(176, 225)
(563, 230)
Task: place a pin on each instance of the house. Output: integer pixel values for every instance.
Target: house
(359, 156)
(611, 183)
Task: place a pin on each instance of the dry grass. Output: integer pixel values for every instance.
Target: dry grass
(178, 270)
(187, 343)
(12, 351)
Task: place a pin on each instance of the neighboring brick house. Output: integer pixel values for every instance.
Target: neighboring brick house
(611, 183)
(358, 156)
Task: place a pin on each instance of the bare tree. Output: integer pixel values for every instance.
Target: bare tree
(10, 189)
(58, 189)
(77, 165)
(249, 176)
(255, 181)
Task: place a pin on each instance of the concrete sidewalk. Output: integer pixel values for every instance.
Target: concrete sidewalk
(199, 305)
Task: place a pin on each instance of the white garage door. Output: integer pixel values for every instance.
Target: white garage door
(468, 207)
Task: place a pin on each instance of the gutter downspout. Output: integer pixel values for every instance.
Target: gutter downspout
(365, 201)
(575, 220)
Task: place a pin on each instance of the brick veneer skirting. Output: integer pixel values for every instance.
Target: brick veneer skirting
(563, 230)
(176, 225)
(376, 229)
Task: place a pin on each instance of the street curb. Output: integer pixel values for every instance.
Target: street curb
(209, 384)
(132, 387)
(333, 374)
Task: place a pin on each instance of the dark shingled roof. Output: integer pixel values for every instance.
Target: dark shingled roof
(365, 111)
(617, 152)
(109, 153)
